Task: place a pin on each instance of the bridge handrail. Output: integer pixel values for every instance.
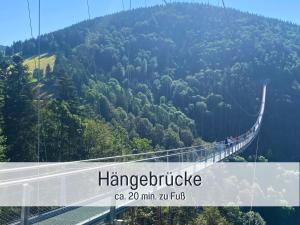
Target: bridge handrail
(245, 136)
(105, 158)
(33, 179)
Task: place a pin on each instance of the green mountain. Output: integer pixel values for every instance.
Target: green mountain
(186, 70)
(157, 77)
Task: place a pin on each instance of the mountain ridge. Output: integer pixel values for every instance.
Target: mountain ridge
(190, 58)
(120, 13)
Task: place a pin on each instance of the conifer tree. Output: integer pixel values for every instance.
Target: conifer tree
(19, 114)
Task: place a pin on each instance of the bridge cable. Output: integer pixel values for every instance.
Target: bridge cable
(30, 27)
(123, 7)
(256, 151)
(240, 106)
(129, 76)
(39, 75)
(88, 8)
(36, 67)
(223, 4)
(91, 66)
(93, 62)
(227, 92)
(254, 177)
(38, 91)
(29, 17)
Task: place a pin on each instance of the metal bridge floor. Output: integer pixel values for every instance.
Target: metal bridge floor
(75, 216)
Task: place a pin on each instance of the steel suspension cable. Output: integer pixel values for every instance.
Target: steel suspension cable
(240, 106)
(123, 7)
(39, 76)
(38, 92)
(30, 26)
(254, 177)
(88, 8)
(223, 4)
(227, 92)
(29, 17)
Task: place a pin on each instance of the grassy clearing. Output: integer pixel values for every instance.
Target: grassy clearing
(45, 59)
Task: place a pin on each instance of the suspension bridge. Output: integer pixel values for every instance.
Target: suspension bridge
(207, 155)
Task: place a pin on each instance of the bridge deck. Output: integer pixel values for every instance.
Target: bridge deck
(79, 215)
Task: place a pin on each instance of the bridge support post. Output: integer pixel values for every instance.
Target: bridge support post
(24, 215)
(168, 157)
(193, 157)
(180, 156)
(112, 215)
(25, 208)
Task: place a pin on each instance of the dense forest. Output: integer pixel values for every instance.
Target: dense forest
(2, 49)
(155, 78)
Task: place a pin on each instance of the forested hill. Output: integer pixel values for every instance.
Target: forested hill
(2, 48)
(165, 76)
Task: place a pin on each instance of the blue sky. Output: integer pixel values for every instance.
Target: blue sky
(57, 14)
